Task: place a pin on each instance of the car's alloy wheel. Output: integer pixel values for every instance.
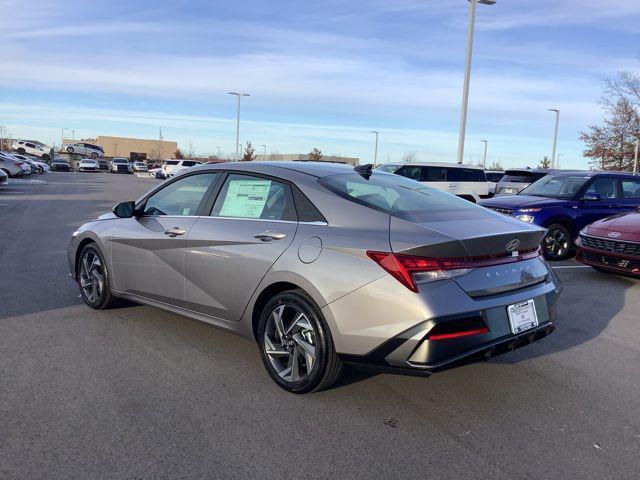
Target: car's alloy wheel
(70, 149)
(296, 344)
(557, 242)
(93, 278)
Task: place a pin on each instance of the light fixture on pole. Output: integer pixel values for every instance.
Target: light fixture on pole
(555, 137)
(484, 156)
(467, 73)
(375, 153)
(238, 94)
(265, 151)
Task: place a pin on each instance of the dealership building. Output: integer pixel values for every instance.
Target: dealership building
(132, 148)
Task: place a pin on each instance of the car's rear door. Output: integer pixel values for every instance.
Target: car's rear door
(251, 223)
(630, 189)
(148, 252)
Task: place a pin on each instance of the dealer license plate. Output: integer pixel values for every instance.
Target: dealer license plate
(522, 316)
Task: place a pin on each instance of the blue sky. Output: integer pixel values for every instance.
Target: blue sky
(320, 74)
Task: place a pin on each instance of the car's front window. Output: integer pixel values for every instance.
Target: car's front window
(398, 196)
(554, 186)
(181, 197)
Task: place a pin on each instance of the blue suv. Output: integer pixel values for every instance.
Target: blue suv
(566, 202)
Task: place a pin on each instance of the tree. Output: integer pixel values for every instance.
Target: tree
(545, 162)
(408, 157)
(315, 155)
(179, 155)
(496, 165)
(274, 156)
(249, 153)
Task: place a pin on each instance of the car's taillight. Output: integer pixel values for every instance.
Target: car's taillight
(411, 270)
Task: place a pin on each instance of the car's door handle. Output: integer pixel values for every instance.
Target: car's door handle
(270, 235)
(175, 231)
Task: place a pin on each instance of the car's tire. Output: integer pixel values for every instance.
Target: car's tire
(21, 151)
(69, 149)
(294, 336)
(94, 155)
(557, 243)
(46, 157)
(7, 172)
(94, 278)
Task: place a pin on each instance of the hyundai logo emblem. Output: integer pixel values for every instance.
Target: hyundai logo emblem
(512, 245)
(614, 234)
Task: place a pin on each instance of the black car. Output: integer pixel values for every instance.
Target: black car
(59, 165)
(103, 165)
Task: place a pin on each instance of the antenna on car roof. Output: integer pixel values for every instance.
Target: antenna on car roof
(365, 170)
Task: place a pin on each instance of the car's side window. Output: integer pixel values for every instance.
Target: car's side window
(433, 174)
(250, 197)
(412, 172)
(631, 189)
(605, 187)
(181, 197)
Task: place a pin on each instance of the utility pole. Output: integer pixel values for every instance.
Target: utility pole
(555, 137)
(238, 95)
(375, 153)
(467, 74)
(484, 156)
(635, 161)
(265, 151)
(218, 151)
(1, 138)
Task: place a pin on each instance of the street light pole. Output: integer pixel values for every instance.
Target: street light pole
(484, 156)
(635, 162)
(375, 153)
(265, 151)
(555, 137)
(238, 95)
(467, 73)
(218, 151)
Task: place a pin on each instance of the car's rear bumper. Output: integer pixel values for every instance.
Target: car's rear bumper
(614, 262)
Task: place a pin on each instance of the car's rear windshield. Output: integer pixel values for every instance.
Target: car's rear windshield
(556, 186)
(494, 176)
(399, 196)
(120, 160)
(520, 176)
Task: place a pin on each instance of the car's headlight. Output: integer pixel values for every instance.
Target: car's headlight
(525, 218)
(76, 233)
(529, 210)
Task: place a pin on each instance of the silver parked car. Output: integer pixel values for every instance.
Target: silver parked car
(323, 264)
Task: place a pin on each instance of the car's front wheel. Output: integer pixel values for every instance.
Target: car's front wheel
(21, 151)
(296, 345)
(94, 155)
(70, 149)
(557, 244)
(94, 279)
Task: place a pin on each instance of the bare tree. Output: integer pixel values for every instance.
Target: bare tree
(274, 156)
(408, 157)
(545, 162)
(249, 153)
(496, 165)
(315, 155)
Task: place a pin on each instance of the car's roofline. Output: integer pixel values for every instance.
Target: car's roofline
(437, 164)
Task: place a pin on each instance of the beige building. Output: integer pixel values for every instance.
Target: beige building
(132, 148)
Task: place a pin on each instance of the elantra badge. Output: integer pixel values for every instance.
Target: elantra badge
(614, 234)
(512, 245)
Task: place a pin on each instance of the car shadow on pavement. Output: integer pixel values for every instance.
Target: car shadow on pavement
(590, 300)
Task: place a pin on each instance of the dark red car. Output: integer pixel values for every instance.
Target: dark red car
(612, 244)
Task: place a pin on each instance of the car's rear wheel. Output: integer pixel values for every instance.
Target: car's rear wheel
(70, 149)
(296, 345)
(21, 151)
(94, 155)
(94, 279)
(557, 244)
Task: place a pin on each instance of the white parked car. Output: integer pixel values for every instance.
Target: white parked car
(140, 167)
(172, 167)
(88, 165)
(83, 148)
(465, 181)
(121, 165)
(493, 177)
(32, 147)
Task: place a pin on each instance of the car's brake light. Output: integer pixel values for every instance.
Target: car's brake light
(411, 270)
(461, 333)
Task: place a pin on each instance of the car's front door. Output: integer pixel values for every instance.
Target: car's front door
(608, 204)
(229, 251)
(148, 252)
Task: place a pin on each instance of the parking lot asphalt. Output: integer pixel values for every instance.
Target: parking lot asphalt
(140, 393)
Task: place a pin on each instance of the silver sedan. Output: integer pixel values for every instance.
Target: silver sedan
(324, 264)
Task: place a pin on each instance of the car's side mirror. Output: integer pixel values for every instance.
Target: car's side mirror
(125, 209)
(591, 197)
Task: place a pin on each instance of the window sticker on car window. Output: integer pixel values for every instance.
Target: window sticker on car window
(186, 211)
(245, 198)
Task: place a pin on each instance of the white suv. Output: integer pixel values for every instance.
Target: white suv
(172, 167)
(31, 147)
(83, 148)
(465, 181)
